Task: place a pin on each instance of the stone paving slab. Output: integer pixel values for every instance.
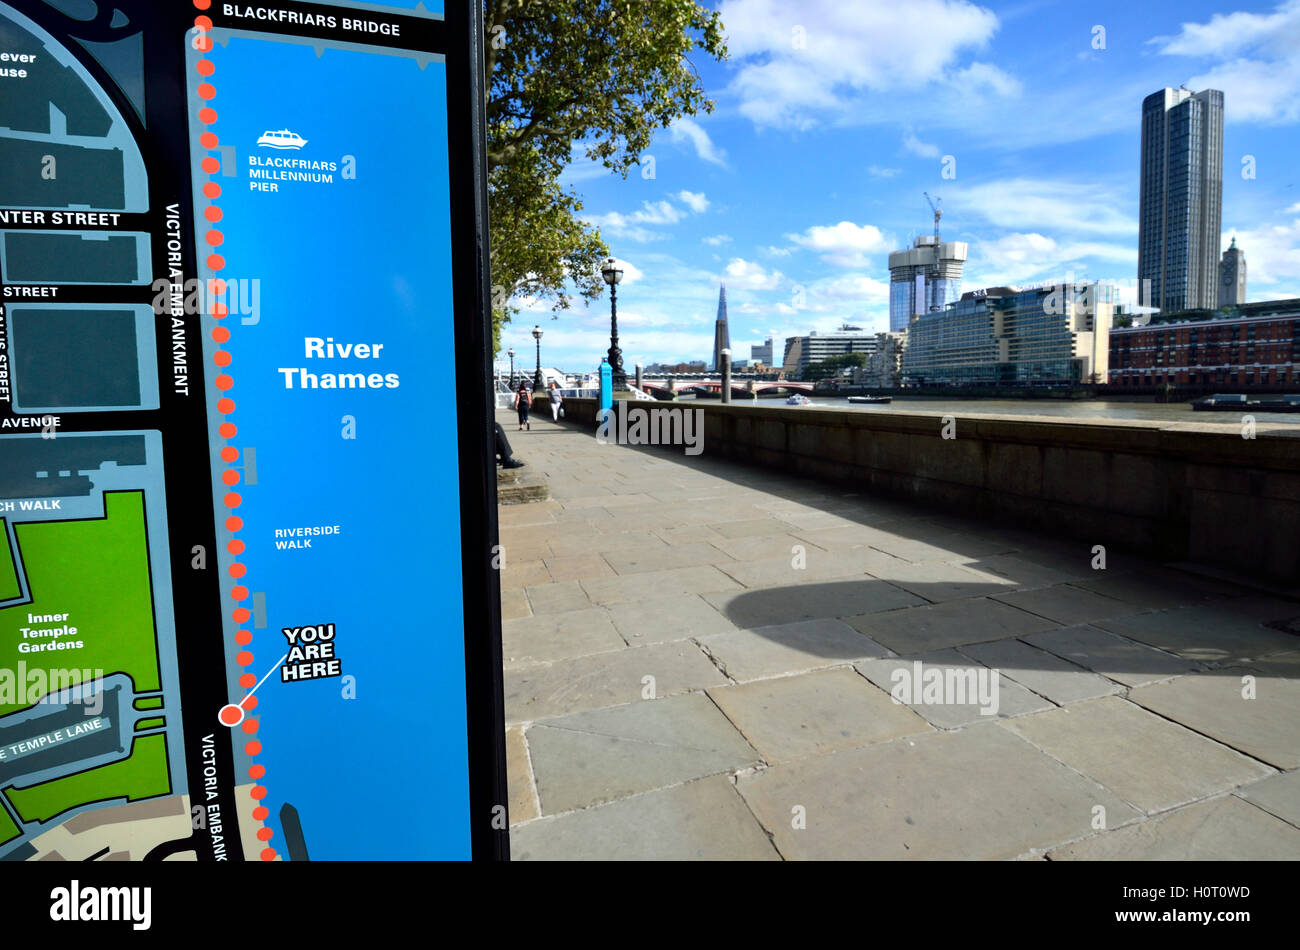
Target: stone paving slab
(751, 527)
(606, 754)
(799, 647)
(522, 804)
(938, 581)
(814, 714)
(667, 557)
(1152, 590)
(1279, 795)
(1021, 571)
(578, 567)
(514, 604)
(1223, 829)
(979, 793)
(1011, 698)
(1067, 604)
(1213, 703)
(757, 547)
(703, 820)
(1157, 764)
(524, 573)
(598, 543)
(1045, 673)
(557, 598)
(688, 616)
(605, 679)
(1114, 657)
(549, 637)
(653, 585)
(817, 600)
(1209, 634)
(937, 627)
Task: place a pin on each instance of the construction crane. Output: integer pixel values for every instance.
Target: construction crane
(938, 212)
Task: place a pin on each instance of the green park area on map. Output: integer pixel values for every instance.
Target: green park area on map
(8, 830)
(96, 572)
(8, 575)
(143, 775)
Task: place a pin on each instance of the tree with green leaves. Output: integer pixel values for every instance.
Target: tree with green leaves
(834, 365)
(568, 78)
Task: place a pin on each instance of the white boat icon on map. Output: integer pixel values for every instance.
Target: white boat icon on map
(281, 139)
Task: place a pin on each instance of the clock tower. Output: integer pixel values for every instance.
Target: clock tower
(1232, 276)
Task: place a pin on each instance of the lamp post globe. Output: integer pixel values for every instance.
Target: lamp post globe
(613, 274)
(539, 382)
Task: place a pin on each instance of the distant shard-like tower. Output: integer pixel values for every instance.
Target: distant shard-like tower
(721, 335)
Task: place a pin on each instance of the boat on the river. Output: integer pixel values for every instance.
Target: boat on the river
(871, 399)
(1235, 402)
(798, 399)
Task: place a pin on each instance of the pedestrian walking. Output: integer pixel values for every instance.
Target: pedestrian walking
(557, 402)
(523, 403)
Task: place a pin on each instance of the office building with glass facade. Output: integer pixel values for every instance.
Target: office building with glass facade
(1052, 335)
(1181, 202)
(924, 278)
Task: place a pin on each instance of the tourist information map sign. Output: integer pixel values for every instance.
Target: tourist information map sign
(247, 609)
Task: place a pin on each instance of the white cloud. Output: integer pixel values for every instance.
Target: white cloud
(799, 63)
(694, 200)
(1229, 33)
(916, 147)
(1272, 259)
(748, 275)
(688, 130)
(845, 244)
(717, 240)
(987, 76)
(1030, 257)
(1259, 71)
(1053, 206)
(879, 172)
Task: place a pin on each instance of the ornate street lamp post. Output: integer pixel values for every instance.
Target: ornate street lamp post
(613, 274)
(511, 353)
(539, 383)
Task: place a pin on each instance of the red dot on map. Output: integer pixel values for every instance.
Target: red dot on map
(208, 116)
(249, 702)
(234, 524)
(239, 593)
(203, 23)
(212, 213)
(216, 261)
(257, 771)
(219, 311)
(229, 454)
(212, 190)
(257, 793)
(207, 90)
(216, 285)
(230, 715)
(221, 334)
(250, 726)
(227, 430)
(225, 406)
(237, 570)
(232, 499)
(243, 638)
(264, 834)
(230, 476)
(260, 813)
(210, 165)
(202, 4)
(224, 382)
(253, 748)
(203, 43)
(214, 238)
(248, 681)
(242, 614)
(268, 854)
(221, 358)
(235, 547)
(209, 139)
(244, 658)
(206, 68)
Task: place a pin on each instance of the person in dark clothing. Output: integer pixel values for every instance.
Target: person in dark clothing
(523, 403)
(503, 450)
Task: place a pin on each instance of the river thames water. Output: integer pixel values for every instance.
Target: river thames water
(1065, 408)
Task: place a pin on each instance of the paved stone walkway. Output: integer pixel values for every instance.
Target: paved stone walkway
(699, 658)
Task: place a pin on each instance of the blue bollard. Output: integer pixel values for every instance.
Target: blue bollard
(606, 391)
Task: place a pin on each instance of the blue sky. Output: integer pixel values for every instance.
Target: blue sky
(833, 117)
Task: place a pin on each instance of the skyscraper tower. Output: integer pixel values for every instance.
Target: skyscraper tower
(923, 278)
(1181, 199)
(1232, 276)
(721, 335)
